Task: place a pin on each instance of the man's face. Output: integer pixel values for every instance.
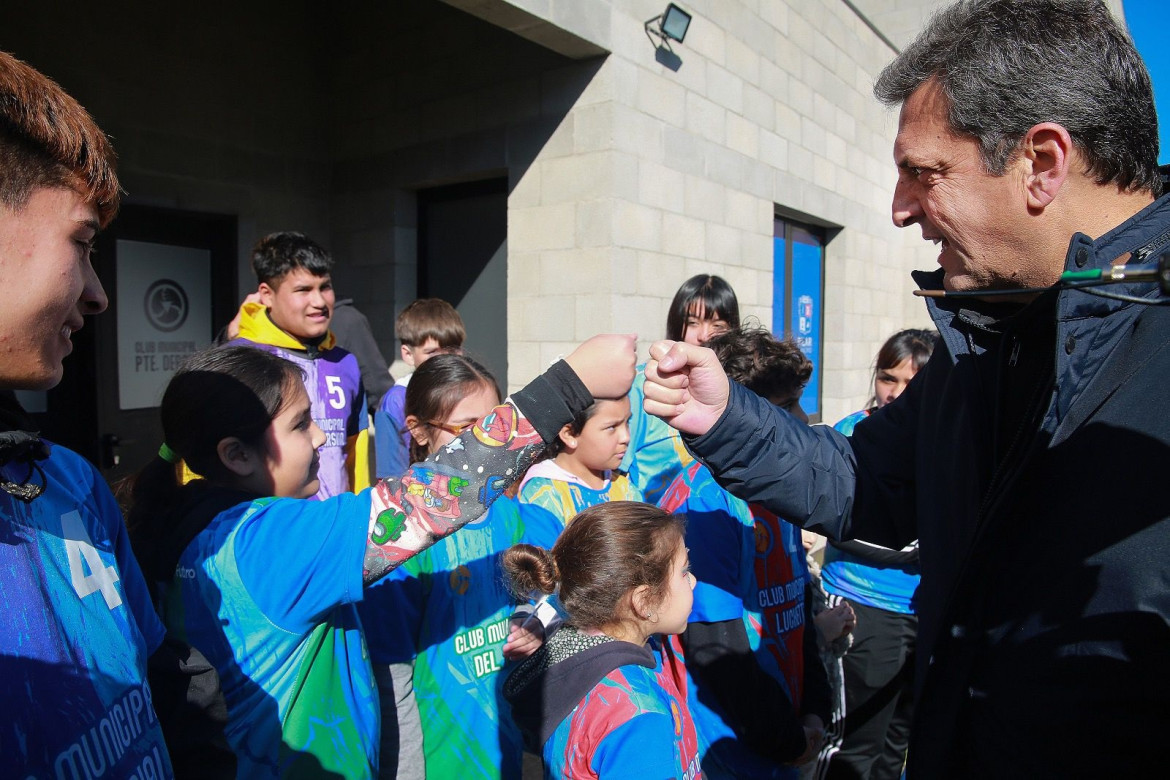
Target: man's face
(301, 303)
(47, 283)
(979, 220)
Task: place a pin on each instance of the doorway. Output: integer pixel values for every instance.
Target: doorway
(463, 259)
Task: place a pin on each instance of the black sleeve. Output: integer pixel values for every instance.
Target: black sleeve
(553, 399)
(757, 708)
(817, 699)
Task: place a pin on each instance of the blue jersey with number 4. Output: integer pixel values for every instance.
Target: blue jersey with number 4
(78, 627)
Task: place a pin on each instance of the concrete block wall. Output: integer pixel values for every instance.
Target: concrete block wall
(771, 106)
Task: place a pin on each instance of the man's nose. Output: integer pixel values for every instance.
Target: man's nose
(906, 208)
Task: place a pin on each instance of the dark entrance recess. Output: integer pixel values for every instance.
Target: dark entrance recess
(84, 411)
(463, 259)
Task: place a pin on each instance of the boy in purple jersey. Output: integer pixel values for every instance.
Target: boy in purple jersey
(291, 319)
(78, 624)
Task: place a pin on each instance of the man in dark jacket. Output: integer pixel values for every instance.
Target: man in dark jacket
(1024, 455)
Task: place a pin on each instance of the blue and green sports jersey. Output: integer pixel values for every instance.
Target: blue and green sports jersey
(656, 455)
(457, 677)
(551, 502)
(266, 591)
(78, 628)
(861, 581)
(635, 723)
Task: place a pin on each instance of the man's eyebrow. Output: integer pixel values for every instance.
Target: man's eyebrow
(92, 224)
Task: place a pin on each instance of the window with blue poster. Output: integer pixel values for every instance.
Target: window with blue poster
(798, 253)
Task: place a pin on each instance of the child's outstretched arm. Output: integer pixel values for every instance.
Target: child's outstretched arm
(460, 481)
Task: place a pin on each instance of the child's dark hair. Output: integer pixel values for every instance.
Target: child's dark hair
(217, 394)
(278, 253)
(768, 366)
(915, 344)
(605, 552)
(717, 297)
(430, 318)
(437, 387)
(576, 425)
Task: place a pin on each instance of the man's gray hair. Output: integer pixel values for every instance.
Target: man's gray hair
(1007, 65)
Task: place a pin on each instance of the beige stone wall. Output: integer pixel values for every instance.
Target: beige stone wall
(655, 175)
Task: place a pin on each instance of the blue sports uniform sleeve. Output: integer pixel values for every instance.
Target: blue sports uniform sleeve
(300, 559)
(715, 537)
(392, 457)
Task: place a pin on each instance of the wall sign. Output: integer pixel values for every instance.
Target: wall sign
(164, 315)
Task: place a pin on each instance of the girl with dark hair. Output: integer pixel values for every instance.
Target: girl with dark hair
(704, 306)
(869, 736)
(265, 585)
(464, 621)
(606, 696)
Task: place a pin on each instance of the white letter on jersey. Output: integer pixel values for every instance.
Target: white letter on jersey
(78, 545)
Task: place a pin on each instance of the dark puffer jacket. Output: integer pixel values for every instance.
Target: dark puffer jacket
(1026, 456)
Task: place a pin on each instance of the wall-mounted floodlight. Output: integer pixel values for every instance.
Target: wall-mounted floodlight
(671, 23)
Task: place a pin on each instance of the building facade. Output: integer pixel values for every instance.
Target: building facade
(552, 167)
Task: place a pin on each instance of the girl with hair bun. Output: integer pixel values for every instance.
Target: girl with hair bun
(606, 696)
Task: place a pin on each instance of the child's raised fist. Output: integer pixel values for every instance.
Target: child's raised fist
(605, 364)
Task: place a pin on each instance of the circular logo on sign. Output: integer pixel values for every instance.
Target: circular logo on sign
(166, 305)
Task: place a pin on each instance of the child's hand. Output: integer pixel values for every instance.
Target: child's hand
(605, 364)
(523, 640)
(814, 737)
(836, 622)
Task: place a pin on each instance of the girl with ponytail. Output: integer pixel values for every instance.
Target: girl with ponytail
(606, 695)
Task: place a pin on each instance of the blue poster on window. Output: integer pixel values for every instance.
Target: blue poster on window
(796, 299)
(805, 307)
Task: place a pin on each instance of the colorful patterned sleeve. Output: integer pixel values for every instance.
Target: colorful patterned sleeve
(458, 483)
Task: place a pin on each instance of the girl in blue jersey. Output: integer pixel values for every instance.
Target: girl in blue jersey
(464, 608)
(606, 696)
(704, 306)
(266, 585)
(871, 740)
(581, 470)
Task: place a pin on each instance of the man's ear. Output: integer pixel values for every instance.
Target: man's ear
(565, 434)
(1047, 150)
(418, 430)
(406, 355)
(237, 457)
(266, 293)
